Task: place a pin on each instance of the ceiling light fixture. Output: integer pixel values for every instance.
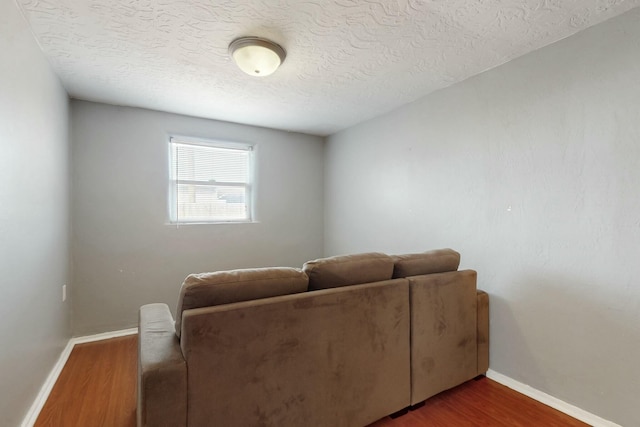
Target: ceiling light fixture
(257, 56)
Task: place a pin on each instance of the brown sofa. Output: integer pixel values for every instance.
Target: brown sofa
(344, 341)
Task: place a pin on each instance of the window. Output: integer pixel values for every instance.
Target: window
(210, 181)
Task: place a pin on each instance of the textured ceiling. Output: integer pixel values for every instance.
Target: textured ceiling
(348, 60)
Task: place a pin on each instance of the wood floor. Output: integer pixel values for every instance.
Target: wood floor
(97, 388)
(481, 403)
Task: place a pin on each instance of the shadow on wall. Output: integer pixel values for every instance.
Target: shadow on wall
(575, 340)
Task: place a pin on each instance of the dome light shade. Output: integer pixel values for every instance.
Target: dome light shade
(257, 56)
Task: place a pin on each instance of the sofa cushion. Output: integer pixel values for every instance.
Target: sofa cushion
(436, 261)
(225, 287)
(347, 270)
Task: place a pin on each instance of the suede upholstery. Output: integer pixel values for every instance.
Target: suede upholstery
(224, 287)
(436, 261)
(162, 371)
(444, 351)
(483, 332)
(251, 348)
(338, 357)
(347, 270)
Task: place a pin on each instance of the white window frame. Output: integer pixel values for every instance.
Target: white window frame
(174, 182)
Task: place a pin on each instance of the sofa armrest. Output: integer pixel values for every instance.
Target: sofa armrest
(162, 370)
(444, 350)
(483, 332)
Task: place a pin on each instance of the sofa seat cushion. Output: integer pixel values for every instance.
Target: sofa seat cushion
(225, 287)
(436, 261)
(348, 270)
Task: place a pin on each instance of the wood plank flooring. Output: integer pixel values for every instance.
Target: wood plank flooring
(481, 403)
(97, 388)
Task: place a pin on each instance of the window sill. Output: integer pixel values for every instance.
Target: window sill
(181, 224)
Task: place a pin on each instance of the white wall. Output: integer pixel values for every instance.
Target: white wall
(532, 172)
(125, 252)
(34, 203)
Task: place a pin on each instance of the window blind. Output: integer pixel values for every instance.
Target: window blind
(210, 182)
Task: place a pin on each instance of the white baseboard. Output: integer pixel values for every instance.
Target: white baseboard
(45, 390)
(43, 394)
(104, 336)
(551, 401)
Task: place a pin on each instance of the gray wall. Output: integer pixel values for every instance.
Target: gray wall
(126, 254)
(34, 228)
(532, 171)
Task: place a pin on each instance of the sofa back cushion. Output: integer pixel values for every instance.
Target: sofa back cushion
(347, 270)
(436, 261)
(225, 287)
